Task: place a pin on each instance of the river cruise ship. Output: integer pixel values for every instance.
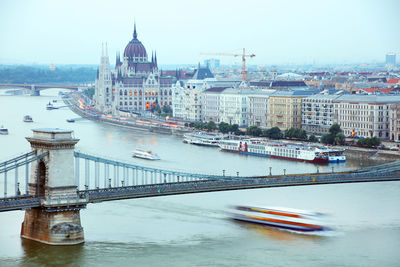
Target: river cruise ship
(202, 139)
(288, 151)
(282, 218)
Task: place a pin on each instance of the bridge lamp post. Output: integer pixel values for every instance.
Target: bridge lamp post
(270, 170)
(237, 174)
(223, 172)
(332, 169)
(284, 171)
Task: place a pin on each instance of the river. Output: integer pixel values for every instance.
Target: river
(195, 229)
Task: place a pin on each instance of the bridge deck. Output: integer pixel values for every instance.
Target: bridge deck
(202, 186)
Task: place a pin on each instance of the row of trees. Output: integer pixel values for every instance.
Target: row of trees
(28, 74)
(276, 133)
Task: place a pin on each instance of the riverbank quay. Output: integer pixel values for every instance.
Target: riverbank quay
(78, 106)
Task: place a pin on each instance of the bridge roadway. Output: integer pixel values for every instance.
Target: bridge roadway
(385, 172)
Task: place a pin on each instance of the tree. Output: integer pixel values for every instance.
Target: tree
(224, 127)
(273, 133)
(167, 110)
(327, 139)
(335, 129)
(340, 139)
(253, 131)
(157, 109)
(211, 126)
(313, 139)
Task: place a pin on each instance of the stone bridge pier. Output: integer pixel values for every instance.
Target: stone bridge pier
(34, 91)
(57, 221)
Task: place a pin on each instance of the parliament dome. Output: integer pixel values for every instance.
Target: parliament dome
(135, 50)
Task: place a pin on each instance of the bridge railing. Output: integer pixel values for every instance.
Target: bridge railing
(99, 172)
(12, 168)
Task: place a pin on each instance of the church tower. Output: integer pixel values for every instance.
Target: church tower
(103, 93)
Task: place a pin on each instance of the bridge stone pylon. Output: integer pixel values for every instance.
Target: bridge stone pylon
(57, 221)
(34, 91)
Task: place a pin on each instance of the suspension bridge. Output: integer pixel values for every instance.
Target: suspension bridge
(53, 182)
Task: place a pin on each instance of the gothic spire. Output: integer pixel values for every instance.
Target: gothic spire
(134, 32)
(155, 59)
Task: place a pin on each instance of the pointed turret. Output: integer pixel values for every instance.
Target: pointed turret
(155, 59)
(117, 60)
(134, 32)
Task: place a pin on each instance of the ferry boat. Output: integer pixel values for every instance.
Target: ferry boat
(202, 139)
(282, 218)
(145, 154)
(70, 120)
(28, 118)
(50, 106)
(312, 154)
(3, 130)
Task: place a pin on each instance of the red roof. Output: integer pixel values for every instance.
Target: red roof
(393, 81)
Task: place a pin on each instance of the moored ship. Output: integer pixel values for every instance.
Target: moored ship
(288, 151)
(202, 139)
(281, 218)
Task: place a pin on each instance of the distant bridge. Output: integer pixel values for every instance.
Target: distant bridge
(36, 88)
(59, 186)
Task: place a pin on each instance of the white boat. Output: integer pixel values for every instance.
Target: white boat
(145, 154)
(202, 139)
(3, 130)
(288, 151)
(282, 218)
(50, 106)
(28, 118)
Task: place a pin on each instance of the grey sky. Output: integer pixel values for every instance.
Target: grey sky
(71, 31)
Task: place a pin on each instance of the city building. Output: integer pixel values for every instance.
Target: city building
(317, 113)
(365, 115)
(258, 107)
(395, 122)
(211, 99)
(284, 108)
(212, 63)
(234, 106)
(135, 85)
(390, 59)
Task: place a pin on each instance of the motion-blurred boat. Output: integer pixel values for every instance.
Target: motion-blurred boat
(282, 218)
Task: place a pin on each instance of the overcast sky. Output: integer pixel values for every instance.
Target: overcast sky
(277, 32)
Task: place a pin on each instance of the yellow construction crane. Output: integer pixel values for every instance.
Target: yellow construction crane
(244, 72)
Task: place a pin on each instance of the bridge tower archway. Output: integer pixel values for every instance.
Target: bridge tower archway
(57, 221)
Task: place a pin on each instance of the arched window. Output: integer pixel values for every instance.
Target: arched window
(126, 92)
(140, 92)
(130, 92)
(135, 92)
(107, 90)
(170, 92)
(120, 92)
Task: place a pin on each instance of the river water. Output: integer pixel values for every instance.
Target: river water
(195, 230)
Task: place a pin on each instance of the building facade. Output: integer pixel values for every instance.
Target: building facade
(211, 99)
(395, 122)
(136, 84)
(284, 109)
(233, 106)
(317, 113)
(364, 115)
(258, 107)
